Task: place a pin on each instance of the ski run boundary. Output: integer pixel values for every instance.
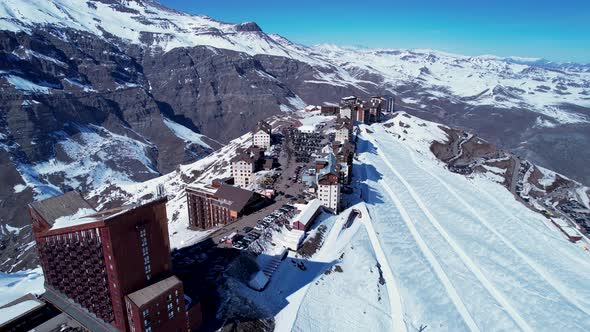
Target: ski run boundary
(438, 270)
(395, 299)
(544, 275)
(496, 294)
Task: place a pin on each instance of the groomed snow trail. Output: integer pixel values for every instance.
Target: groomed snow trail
(395, 298)
(511, 271)
(491, 288)
(442, 276)
(556, 284)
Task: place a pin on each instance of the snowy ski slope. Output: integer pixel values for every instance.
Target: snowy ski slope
(464, 254)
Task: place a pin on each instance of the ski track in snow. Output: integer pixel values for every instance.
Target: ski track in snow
(395, 299)
(542, 273)
(442, 276)
(499, 296)
(510, 270)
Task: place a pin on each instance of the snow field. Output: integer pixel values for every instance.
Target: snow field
(497, 256)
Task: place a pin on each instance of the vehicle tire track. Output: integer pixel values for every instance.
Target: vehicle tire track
(438, 270)
(492, 290)
(555, 284)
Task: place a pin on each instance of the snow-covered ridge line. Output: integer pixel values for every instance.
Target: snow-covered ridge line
(505, 82)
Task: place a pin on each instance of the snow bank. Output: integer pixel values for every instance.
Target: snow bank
(9, 313)
(82, 216)
(186, 134)
(15, 285)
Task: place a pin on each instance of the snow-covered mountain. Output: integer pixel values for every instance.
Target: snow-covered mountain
(100, 93)
(507, 82)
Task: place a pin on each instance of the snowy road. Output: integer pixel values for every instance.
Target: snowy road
(465, 254)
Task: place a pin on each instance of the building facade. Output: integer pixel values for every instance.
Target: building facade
(96, 258)
(346, 112)
(376, 107)
(242, 168)
(261, 135)
(329, 191)
(343, 132)
(158, 307)
(218, 204)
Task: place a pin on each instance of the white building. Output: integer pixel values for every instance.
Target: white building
(242, 168)
(346, 112)
(343, 132)
(329, 191)
(261, 135)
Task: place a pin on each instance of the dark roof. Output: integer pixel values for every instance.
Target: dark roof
(60, 206)
(150, 293)
(329, 179)
(238, 197)
(262, 125)
(76, 311)
(243, 156)
(268, 163)
(344, 124)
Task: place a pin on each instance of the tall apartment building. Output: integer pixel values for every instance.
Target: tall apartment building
(242, 168)
(93, 261)
(351, 107)
(261, 135)
(343, 131)
(329, 191)
(159, 306)
(346, 112)
(344, 157)
(390, 103)
(218, 204)
(376, 107)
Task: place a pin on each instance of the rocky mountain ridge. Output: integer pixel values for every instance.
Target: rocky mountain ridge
(102, 92)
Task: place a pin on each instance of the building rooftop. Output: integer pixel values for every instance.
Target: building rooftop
(329, 179)
(70, 209)
(262, 125)
(150, 293)
(59, 206)
(238, 197)
(77, 312)
(309, 212)
(243, 156)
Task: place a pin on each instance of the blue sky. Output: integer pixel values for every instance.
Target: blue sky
(555, 30)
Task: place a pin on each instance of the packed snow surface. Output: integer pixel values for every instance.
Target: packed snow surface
(82, 216)
(15, 285)
(464, 253)
(185, 133)
(9, 313)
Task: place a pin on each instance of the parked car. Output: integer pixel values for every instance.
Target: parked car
(238, 246)
(247, 229)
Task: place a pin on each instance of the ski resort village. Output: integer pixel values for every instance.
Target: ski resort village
(348, 217)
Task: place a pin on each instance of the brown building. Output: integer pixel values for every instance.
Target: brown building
(362, 115)
(92, 260)
(219, 204)
(376, 107)
(330, 110)
(158, 307)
